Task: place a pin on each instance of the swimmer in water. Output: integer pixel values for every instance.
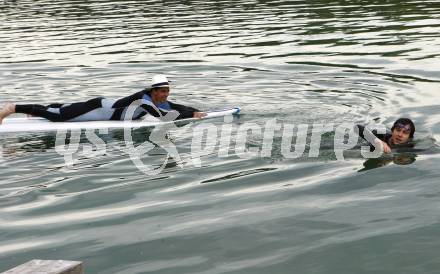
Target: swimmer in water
(402, 133)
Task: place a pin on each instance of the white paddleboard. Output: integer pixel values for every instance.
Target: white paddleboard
(34, 124)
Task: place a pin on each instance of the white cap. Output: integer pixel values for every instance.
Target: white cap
(159, 80)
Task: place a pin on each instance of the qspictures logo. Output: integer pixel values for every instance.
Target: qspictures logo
(223, 140)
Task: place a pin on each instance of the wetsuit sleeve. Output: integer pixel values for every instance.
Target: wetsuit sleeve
(360, 130)
(156, 112)
(185, 111)
(126, 101)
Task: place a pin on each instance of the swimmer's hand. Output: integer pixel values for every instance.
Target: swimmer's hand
(385, 147)
(199, 114)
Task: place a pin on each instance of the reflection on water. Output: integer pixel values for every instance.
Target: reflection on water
(400, 159)
(300, 62)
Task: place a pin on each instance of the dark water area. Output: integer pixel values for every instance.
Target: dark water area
(299, 62)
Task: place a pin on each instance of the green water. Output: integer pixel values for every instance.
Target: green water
(300, 62)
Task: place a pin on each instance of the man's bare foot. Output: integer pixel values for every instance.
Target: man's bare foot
(8, 109)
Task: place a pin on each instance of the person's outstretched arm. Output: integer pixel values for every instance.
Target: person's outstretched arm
(380, 138)
(187, 112)
(126, 101)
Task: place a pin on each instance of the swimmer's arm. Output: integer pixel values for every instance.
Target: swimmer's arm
(154, 111)
(378, 141)
(126, 101)
(385, 147)
(187, 112)
(360, 131)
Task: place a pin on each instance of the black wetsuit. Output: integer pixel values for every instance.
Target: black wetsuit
(101, 109)
(385, 137)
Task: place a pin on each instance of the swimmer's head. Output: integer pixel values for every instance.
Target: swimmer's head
(160, 89)
(402, 131)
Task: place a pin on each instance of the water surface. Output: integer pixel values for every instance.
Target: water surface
(296, 61)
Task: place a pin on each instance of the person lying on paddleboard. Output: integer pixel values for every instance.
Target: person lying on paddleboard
(402, 133)
(153, 101)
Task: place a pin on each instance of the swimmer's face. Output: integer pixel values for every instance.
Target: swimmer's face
(400, 134)
(160, 95)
